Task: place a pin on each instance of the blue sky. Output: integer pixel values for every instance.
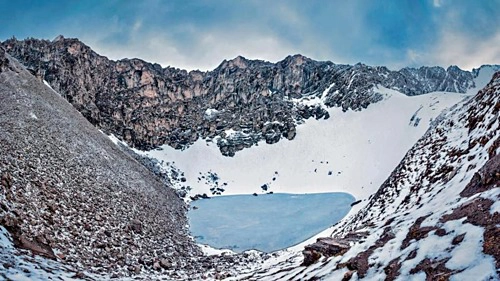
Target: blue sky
(200, 34)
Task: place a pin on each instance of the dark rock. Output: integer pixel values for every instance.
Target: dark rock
(348, 275)
(392, 269)
(433, 269)
(411, 255)
(6, 180)
(181, 193)
(310, 257)
(79, 275)
(458, 239)
(491, 244)
(416, 232)
(157, 266)
(486, 178)
(136, 226)
(355, 203)
(359, 263)
(440, 232)
(326, 247)
(165, 264)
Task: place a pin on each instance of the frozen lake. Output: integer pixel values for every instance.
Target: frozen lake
(267, 222)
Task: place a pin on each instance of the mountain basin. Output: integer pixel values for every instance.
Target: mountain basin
(267, 222)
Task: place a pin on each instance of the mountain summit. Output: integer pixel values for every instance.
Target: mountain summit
(148, 106)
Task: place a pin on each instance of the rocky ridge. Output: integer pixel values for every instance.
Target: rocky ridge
(148, 106)
(436, 217)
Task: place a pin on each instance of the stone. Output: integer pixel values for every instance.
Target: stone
(157, 266)
(326, 247)
(166, 264)
(136, 226)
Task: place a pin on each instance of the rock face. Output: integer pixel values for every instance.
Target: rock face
(68, 193)
(148, 106)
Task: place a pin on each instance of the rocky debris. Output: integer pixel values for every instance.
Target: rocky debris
(392, 269)
(148, 106)
(199, 196)
(70, 194)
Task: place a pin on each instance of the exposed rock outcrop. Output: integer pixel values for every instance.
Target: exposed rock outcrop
(148, 106)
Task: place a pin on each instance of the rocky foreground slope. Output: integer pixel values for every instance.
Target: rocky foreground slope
(436, 217)
(69, 194)
(148, 106)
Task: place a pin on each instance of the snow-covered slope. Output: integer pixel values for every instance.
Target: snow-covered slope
(436, 217)
(351, 151)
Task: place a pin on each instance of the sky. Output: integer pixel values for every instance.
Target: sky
(200, 34)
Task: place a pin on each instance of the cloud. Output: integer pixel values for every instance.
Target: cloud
(460, 49)
(203, 50)
(200, 34)
(467, 36)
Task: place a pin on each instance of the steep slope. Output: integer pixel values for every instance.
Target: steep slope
(69, 194)
(436, 217)
(325, 156)
(148, 106)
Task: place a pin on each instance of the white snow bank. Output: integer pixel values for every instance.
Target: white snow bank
(351, 151)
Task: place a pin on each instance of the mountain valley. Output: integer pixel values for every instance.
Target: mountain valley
(101, 159)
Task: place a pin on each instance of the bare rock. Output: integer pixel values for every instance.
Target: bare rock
(326, 247)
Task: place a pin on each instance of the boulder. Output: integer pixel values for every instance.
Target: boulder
(327, 247)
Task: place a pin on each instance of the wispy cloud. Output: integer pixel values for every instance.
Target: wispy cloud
(206, 50)
(456, 48)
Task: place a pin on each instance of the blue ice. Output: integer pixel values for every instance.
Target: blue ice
(267, 222)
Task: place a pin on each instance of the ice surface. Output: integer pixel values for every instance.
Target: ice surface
(266, 222)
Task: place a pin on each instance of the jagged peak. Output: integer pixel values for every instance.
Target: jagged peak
(296, 59)
(239, 61)
(424, 67)
(58, 38)
(453, 68)
(359, 65)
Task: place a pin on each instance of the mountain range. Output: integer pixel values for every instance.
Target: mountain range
(92, 209)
